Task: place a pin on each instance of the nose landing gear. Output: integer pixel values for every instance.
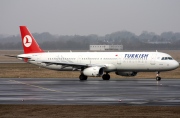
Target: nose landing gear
(158, 78)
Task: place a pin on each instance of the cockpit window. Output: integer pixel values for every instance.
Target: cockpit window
(167, 58)
(170, 58)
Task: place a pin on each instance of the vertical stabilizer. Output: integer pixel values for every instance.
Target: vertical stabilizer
(29, 43)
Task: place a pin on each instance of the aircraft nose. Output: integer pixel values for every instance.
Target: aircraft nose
(175, 64)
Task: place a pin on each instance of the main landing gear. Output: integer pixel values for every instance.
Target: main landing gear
(158, 78)
(83, 77)
(106, 76)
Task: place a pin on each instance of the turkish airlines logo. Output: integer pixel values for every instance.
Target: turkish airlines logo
(27, 41)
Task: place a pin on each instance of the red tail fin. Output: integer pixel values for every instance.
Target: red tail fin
(29, 43)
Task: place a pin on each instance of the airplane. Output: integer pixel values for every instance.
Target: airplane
(95, 64)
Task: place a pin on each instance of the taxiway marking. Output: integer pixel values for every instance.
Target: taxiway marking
(39, 87)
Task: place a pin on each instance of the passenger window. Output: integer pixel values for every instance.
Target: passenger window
(162, 58)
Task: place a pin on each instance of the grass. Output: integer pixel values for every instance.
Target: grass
(85, 111)
(25, 70)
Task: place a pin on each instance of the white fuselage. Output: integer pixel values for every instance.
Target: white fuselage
(114, 61)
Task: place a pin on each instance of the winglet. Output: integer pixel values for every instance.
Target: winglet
(29, 43)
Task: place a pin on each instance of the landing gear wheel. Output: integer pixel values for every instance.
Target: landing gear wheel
(82, 77)
(106, 77)
(158, 78)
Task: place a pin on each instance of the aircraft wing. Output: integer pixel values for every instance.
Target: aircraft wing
(73, 64)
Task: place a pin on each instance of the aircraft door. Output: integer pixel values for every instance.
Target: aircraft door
(79, 59)
(119, 60)
(153, 59)
(38, 59)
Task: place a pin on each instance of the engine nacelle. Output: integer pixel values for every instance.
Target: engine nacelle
(93, 71)
(126, 73)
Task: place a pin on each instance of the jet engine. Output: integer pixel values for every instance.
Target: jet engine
(126, 73)
(93, 71)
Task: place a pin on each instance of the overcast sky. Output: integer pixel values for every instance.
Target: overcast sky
(83, 17)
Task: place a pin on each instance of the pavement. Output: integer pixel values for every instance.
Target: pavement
(71, 91)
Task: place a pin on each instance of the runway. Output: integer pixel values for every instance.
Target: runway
(91, 92)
